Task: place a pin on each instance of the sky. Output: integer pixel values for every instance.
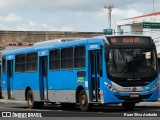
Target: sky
(69, 15)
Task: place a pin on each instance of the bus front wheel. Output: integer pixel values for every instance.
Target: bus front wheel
(128, 105)
(83, 101)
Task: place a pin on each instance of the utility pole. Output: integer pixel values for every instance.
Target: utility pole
(109, 8)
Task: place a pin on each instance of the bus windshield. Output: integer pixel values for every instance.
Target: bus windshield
(131, 63)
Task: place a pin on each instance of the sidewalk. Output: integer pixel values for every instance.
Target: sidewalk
(12, 101)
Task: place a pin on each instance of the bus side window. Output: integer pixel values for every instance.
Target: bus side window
(100, 63)
(79, 57)
(54, 60)
(10, 69)
(32, 61)
(44, 66)
(81, 74)
(21, 63)
(67, 58)
(3, 64)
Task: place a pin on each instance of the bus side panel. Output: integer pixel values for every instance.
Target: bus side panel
(19, 95)
(81, 79)
(61, 86)
(4, 86)
(24, 80)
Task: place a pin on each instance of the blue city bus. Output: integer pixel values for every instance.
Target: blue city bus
(0, 81)
(100, 70)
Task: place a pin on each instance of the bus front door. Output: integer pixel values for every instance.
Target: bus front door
(10, 78)
(96, 71)
(43, 76)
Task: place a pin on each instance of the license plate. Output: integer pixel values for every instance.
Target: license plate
(134, 95)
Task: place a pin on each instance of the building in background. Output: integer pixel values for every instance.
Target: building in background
(10, 40)
(148, 25)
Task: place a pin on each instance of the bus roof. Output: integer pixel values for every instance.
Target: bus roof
(54, 46)
(57, 45)
(55, 41)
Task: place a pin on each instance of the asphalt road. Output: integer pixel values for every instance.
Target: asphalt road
(50, 110)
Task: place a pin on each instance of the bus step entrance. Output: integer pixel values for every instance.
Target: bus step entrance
(95, 58)
(95, 97)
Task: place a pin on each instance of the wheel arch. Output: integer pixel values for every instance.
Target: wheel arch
(78, 90)
(26, 91)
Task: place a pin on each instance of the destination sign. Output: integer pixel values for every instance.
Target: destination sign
(129, 40)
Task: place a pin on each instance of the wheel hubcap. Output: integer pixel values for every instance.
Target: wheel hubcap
(30, 100)
(83, 100)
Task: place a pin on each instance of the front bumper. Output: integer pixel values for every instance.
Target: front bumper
(117, 97)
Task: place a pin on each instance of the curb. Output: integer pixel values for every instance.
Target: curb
(149, 104)
(12, 101)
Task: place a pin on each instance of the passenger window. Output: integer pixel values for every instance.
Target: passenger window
(67, 58)
(32, 61)
(21, 63)
(54, 60)
(79, 57)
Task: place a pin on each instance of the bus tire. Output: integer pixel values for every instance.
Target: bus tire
(128, 105)
(83, 101)
(30, 100)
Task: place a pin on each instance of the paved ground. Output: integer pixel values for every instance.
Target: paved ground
(141, 104)
(58, 111)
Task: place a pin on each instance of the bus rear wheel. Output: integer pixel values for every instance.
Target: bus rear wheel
(128, 105)
(31, 103)
(83, 101)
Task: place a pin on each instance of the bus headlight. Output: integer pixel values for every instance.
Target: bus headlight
(110, 87)
(155, 86)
